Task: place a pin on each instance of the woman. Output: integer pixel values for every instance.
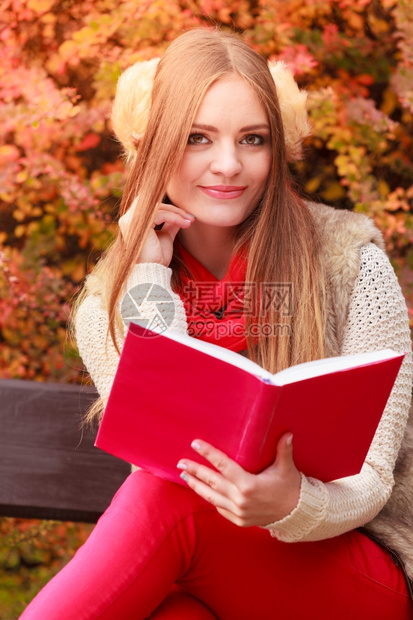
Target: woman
(208, 202)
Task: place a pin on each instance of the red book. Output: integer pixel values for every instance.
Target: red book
(170, 389)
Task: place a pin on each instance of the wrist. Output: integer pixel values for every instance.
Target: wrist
(153, 273)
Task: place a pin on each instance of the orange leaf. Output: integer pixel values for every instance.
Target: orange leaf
(8, 153)
(40, 6)
(365, 78)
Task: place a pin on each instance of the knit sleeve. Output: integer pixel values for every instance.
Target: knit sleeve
(95, 345)
(377, 319)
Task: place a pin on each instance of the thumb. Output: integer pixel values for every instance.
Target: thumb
(284, 459)
(170, 230)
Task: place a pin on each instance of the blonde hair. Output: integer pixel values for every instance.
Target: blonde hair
(280, 235)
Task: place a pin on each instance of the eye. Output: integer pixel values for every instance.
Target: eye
(253, 140)
(197, 138)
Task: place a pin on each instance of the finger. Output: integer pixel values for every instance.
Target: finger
(226, 466)
(210, 490)
(171, 217)
(209, 494)
(213, 479)
(174, 209)
(230, 516)
(167, 208)
(168, 232)
(184, 221)
(284, 459)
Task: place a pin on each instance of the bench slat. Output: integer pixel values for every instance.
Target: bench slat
(49, 467)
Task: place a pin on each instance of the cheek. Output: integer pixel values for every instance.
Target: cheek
(262, 172)
(260, 163)
(267, 167)
(171, 189)
(174, 188)
(181, 180)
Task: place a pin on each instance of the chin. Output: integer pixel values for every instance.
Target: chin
(228, 220)
(222, 223)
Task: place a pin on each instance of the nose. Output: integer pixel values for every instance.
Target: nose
(225, 160)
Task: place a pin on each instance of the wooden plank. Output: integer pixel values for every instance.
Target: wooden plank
(49, 467)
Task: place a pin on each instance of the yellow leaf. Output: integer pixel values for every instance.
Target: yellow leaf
(378, 25)
(390, 101)
(312, 185)
(74, 111)
(21, 176)
(39, 342)
(68, 49)
(8, 153)
(20, 230)
(384, 189)
(86, 35)
(333, 191)
(40, 6)
(355, 20)
(78, 273)
(19, 215)
(32, 227)
(60, 243)
(74, 268)
(49, 18)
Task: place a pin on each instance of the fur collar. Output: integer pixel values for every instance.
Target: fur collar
(343, 233)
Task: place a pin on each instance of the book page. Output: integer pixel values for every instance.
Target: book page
(292, 374)
(329, 365)
(231, 357)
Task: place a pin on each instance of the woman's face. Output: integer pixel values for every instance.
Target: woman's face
(224, 171)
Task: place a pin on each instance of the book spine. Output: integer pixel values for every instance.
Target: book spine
(257, 447)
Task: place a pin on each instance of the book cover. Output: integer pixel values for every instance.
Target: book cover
(166, 394)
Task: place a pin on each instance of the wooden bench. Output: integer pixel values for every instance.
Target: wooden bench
(49, 467)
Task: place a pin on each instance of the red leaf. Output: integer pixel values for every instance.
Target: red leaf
(90, 141)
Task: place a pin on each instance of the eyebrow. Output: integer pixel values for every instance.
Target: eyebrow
(214, 129)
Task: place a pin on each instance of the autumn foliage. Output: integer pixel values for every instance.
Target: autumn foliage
(31, 552)
(61, 174)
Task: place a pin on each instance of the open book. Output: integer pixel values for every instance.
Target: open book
(170, 389)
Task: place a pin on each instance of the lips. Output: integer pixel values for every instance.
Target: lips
(223, 192)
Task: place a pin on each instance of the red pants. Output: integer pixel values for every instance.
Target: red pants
(156, 534)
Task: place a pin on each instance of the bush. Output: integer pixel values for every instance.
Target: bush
(60, 169)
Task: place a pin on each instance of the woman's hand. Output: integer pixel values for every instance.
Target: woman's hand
(243, 498)
(158, 247)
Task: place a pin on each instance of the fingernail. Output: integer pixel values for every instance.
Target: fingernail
(182, 465)
(190, 215)
(195, 445)
(190, 221)
(185, 476)
(289, 440)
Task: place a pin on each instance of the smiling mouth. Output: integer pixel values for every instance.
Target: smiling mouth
(223, 192)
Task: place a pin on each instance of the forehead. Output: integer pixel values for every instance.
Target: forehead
(231, 99)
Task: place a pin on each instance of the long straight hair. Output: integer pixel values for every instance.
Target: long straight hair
(280, 236)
